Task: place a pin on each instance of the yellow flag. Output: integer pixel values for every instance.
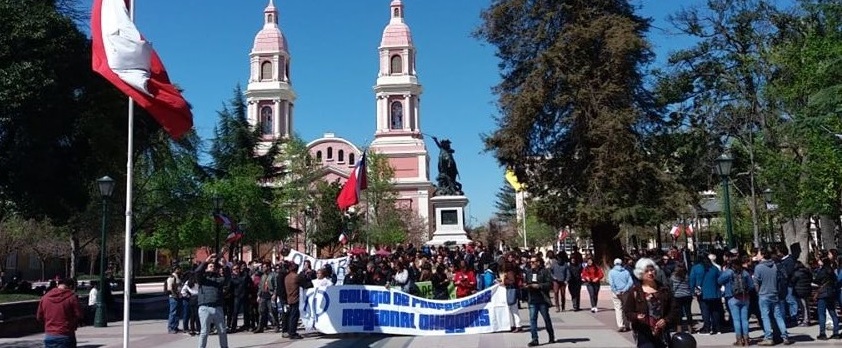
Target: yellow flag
(512, 179)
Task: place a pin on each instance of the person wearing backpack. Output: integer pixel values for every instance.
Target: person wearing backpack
(766, 278)
(172, 287)
(737, 282)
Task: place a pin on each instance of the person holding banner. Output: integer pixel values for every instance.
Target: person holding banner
(440, 282)
(538, 283)
(466, 281)
(512, 279)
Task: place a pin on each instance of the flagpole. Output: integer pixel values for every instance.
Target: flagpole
(127, 262)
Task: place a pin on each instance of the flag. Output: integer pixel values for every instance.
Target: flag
(234, 236)
(343, 238)
(357, 182)
(128, 61)
(689, 230)
(223, 220)
(675, 231)
(563, 234)
(512, 179)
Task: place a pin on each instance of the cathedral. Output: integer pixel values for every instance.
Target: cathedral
(397, 133)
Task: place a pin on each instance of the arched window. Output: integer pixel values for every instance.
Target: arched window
(286, 70)
(318, 156)
(266, 120)
(351, 158)
(397, 64)
(329, 153)
(397, 12)
(266, 71)
(341, 156)
(270, 18)
(396, 116)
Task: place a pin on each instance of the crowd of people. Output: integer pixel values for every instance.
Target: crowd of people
(652, 291)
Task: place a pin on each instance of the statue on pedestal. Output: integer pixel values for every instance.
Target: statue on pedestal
(446, 180)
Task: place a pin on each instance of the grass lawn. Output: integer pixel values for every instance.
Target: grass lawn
(17, 297)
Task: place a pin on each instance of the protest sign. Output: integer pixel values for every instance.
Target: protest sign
(375, 309)
(338, 264)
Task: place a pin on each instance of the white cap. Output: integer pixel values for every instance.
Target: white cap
(617, 261)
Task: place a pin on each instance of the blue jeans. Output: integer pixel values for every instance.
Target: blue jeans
(185, 313)
(824, 305)
(172, 319)
(544, 309)
(55, 341)
(212, 316)
(739, 311)
(792, 304)
(775, 306)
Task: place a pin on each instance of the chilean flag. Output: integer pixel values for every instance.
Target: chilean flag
(675, 231)
(234, 236)
(563, 234)
(224, 221)
(689, 230)
(128, 61)
(343, 239)
(358, 181)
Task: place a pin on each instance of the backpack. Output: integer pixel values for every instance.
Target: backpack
(782, 282)
(738, 284)
(166, 289)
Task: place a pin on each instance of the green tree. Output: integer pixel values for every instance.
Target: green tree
(329, 219)
(506, 203)
(575, 113)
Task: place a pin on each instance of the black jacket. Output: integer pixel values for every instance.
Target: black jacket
(544, 279)
(826, 279)
(210, 286)
(801, 281)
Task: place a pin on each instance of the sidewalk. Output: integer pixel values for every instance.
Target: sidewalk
(573, 329)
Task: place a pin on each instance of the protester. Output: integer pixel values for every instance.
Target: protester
(592, 277)
(212, 278)
(559, 270)
(683, 298)
(649, 307)
(292, 283)
(826, 280)
(771, 299)
(172, 287)
(620, 281)
(574, 280)
(512, 279)
(538, 283)
(737, 282)
(61, 313)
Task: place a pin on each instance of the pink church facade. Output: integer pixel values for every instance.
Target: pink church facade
(397, 126)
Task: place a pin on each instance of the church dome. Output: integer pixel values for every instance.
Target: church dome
(270, 40)
(397, 32)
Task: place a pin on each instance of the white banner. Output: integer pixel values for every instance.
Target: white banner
(338, 264)
(364, 308)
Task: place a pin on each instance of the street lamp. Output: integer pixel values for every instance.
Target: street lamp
(241, 228)
(217, 204)
(723, 168)
(106, 188)
(767, 196)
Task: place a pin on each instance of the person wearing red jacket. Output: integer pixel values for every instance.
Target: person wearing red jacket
(465, 280)
(591, 276)
(61, 313)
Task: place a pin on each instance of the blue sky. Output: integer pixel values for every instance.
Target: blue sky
(205, 47)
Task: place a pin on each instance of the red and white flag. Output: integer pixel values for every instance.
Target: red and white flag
(128, 61)
(358, 181)
(563, 234)
(343, 239)
(224, 221)
(234, 236)
(688, 229)
(675, 231)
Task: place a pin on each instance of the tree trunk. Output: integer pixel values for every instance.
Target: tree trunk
(606, 245)
(828, 232)
(43, 268)
(74, 254)
(796, 233)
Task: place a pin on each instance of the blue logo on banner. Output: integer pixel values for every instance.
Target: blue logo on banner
(319, 301)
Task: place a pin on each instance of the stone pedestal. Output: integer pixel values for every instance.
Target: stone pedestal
(450, 220)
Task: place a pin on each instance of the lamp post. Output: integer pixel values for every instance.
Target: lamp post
(106, 187)
(217, 203)
(767, 196)
(723, 168)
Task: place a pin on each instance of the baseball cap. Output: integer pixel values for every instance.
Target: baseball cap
(618, 261)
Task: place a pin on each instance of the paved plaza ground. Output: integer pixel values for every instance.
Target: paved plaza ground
(581, 329)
